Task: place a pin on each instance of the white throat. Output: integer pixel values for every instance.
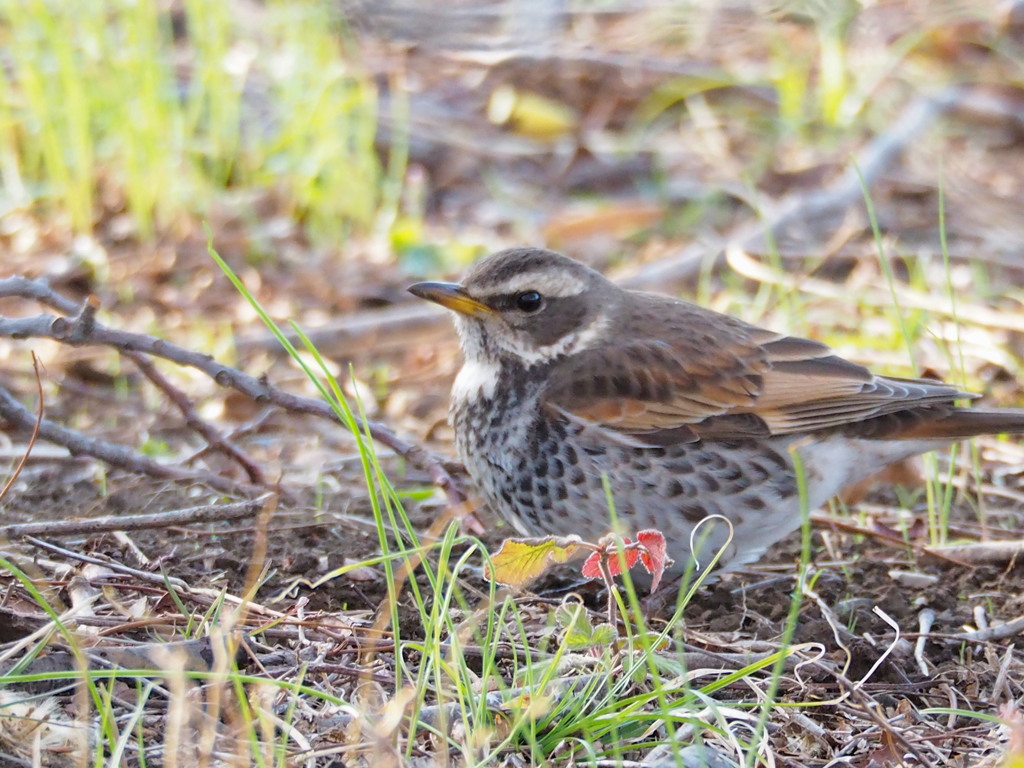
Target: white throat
(477, 379)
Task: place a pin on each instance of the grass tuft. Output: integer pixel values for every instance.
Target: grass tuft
(99, 114)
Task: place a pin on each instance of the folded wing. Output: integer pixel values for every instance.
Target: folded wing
(723, 379)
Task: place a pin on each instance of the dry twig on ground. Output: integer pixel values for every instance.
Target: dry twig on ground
(82, 328)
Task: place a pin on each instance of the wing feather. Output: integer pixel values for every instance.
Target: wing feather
(709, 376)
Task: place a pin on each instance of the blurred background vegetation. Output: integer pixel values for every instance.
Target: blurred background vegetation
(318, 123)
(160, 111)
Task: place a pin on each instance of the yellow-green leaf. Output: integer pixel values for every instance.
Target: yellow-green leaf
(520, 561)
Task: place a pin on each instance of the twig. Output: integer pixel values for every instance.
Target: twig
(33, 436)
(974, 314)
(925, 621)
(38, 289)
(83, 329)
(207, 513)
(204, 595)
(870, 707)
(823, 520)
(390, 327)
(814, 205)
(112, 453)
(153, 578)
(1000, 688)
(984, 552)
(1004, 631)
(194, 655)
(211, 434)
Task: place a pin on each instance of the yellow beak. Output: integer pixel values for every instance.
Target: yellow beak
(451, 296)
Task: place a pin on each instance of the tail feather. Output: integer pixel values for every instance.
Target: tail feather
(939, 422)
(958, 424)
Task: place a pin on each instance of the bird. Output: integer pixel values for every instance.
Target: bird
(583, 408)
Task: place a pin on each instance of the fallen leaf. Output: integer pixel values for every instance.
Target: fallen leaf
(518, 562)
(530, 114)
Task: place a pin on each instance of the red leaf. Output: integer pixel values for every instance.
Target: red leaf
(654, 557)
(610, 556)
(592, 566)
(611, 552)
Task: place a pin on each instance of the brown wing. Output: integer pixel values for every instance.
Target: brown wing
(710, 376)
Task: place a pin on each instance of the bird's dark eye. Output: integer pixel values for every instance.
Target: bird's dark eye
(529, 301)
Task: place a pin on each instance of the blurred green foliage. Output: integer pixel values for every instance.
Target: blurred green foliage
(127, 105)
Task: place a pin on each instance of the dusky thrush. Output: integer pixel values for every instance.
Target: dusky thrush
(570, 381)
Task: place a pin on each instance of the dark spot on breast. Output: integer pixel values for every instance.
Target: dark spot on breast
(680, 466)
(541, 489)
(754, 502)
(756, 473)
(673, 488)
(576, 476)
(692, 513)
(709, 484)
(541, 468)
(781, 463)
(570, 455)
(561, 492)
(557, 469)
(731, 473)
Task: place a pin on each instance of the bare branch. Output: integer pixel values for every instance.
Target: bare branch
(207, 513)
(112, 453)
(211, 434)
(83, 329)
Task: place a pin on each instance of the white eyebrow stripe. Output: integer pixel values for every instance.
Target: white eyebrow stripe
(558, 285)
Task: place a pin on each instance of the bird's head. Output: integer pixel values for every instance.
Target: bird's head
(526, 305)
